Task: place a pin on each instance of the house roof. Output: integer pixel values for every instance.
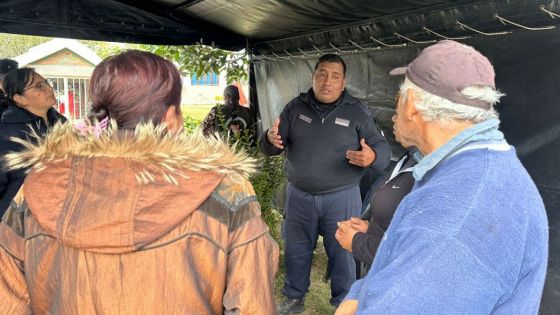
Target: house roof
(46, 49)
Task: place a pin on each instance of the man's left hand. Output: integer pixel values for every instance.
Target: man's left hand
(344, 235)
(363, 157)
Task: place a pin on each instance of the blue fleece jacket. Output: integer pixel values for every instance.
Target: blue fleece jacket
(471, 237)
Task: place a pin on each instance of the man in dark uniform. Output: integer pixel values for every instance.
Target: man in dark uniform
(329, 138)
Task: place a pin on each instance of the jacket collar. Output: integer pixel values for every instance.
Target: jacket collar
(17, 115)
(484, 131)
(150, 145)
(309, 98)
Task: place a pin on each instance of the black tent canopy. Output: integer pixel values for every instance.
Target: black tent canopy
(284, 38)
(266, 26)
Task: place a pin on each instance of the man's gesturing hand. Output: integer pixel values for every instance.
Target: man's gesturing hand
(273, 136)
(363, 157)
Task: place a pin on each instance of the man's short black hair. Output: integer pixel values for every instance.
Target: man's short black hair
(333, 58)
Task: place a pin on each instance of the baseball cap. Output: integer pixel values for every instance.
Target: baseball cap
(446, 68)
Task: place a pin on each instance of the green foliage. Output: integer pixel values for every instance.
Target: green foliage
(266, 183)
(107, 49)
(202, 59)
(14, 45)
(190, 123)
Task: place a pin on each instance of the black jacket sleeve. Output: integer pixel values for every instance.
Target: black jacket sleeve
(265, 146)
(364, 246)
(10, 181)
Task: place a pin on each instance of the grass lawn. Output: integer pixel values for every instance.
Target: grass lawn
(197, 112)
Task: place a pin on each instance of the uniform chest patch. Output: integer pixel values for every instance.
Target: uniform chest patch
(305, 118)
(342, 122)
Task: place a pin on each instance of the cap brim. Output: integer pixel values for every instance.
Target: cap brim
(398, 71)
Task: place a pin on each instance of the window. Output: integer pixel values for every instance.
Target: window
(205, 79)
(72, 99)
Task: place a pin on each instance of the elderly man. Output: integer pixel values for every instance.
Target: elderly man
(472, 236)
(329, 138)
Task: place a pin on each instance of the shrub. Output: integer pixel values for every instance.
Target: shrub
(190, 123)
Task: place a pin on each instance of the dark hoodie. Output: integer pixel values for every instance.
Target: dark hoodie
(316, 140)
(19, 123)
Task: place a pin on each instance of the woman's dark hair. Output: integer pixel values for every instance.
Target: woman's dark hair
(133, 87)
(14, 82)
(232, 94)
(7, 65)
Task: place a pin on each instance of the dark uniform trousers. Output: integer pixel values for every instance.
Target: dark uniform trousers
(306, 216)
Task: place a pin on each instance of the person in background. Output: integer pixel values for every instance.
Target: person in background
(242, 99)
(231, 116)
(330, 138)
(362, 236)
(6, 65)
(128, 214)
(27, 104)
(472, 235)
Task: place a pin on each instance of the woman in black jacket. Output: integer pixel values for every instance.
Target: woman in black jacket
(27, 101)
(362, 236)
(6, 65)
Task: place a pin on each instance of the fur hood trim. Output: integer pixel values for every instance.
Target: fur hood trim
(150, 145)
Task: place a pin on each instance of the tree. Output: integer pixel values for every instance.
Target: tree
(106, 49)
(14, 45)
(202, 59)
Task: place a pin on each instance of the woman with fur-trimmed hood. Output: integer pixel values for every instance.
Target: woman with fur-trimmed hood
(130, 215)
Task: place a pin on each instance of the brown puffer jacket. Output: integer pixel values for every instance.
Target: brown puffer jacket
(149, 224)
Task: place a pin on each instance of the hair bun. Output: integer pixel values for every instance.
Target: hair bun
(98, 114)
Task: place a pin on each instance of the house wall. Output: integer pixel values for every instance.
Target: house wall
(63, 63)
(202, 94)
(64, 57)
(206, 94)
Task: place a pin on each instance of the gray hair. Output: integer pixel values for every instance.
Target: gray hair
(433, 107)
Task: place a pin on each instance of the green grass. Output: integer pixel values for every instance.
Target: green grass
(197, 112)
(317, 300)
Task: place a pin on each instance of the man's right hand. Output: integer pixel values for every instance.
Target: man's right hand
(273, 136)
